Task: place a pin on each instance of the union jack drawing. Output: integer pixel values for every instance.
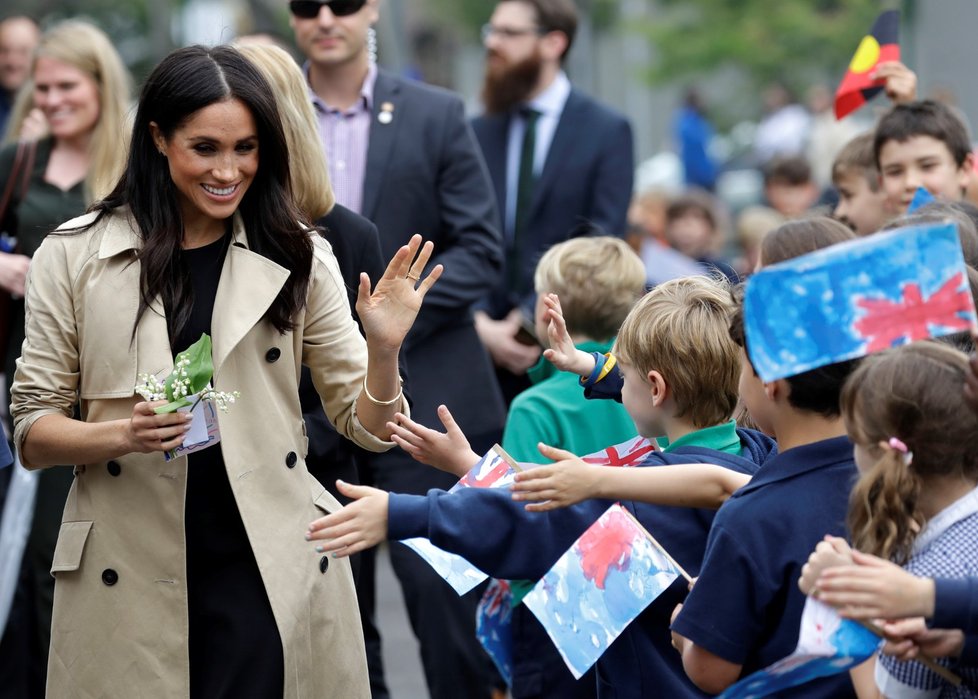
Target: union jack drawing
(630, 453)
(857, 297)
(889, 323)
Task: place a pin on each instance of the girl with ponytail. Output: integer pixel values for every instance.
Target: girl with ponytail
(916, 501)
(916, 445)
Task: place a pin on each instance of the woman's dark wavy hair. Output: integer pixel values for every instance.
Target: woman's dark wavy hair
(184, 82)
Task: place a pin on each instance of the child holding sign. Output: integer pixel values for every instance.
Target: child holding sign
(916, 501)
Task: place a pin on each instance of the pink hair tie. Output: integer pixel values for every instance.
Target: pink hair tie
(898, 445)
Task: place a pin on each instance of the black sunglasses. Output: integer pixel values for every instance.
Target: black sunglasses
(309, 9)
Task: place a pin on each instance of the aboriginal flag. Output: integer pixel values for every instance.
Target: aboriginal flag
(880, 45)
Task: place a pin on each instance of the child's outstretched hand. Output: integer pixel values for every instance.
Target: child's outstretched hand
(832, 551)
(447, 451)
(562, 353)
(875, 589)
(901, 82)
(360, 525)
(564, 483)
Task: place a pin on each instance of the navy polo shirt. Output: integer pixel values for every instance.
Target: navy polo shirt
(746, 606)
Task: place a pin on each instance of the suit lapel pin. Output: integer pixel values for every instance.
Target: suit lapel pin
(386, 115)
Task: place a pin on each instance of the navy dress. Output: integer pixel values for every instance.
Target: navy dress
(235, 647)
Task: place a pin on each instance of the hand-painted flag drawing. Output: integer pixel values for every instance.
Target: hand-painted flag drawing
(855, 298)
(628, 453)
(827, 645)
(879, 46)
(493, 626)
(496, 469)
(607, 577)
(920, 198)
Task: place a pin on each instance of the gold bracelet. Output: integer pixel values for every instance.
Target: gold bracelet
(395, 399)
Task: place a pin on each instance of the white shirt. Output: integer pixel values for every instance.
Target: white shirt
(550, 104)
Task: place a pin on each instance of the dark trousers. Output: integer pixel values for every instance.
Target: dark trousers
(538, 670)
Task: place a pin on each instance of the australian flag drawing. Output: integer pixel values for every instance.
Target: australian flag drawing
(855, 298)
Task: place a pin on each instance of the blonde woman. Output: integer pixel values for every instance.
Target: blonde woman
(79, 90)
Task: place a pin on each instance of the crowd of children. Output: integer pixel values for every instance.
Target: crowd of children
(857, 481)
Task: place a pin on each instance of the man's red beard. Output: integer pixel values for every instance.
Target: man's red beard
(507, 85)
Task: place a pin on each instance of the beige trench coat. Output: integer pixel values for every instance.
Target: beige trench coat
(120, 610)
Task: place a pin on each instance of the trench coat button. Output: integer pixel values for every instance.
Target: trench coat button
(273, 354)
(110, 577)
(114, 468)
(290, 459)
(323, 564)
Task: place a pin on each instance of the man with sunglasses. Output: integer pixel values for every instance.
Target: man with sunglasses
(403, 155)
(560, 162)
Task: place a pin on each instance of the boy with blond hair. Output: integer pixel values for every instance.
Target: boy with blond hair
(863, 204)
(679, 372)
(598, 280)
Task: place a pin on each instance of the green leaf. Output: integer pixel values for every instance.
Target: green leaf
(171, 407)
(200, 370)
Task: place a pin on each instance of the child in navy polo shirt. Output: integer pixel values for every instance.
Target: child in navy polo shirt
(744, 611)
(680, 375)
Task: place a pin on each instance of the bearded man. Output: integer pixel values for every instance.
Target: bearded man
(561, 165)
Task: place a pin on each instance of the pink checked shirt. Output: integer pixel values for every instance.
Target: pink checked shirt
(346, 136)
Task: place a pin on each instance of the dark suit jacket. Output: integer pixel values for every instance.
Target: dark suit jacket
(425, 175)
(584, 188)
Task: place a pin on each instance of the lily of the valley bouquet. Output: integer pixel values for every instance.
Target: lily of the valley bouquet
(187, 387)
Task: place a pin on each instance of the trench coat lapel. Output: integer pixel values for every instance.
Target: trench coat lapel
(383, 136)
(249, 284)
(150, 351)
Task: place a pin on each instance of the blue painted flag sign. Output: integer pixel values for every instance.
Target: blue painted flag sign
(494, 627)
(920, 198)
(496, 469)
(827, 645)
(611, 573)
(855, 298)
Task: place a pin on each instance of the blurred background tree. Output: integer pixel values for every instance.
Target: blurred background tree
(794, 42)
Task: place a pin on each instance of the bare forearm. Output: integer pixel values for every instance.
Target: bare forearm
(56, 440)
(864, 680)
(462, 463)
(682, 485)
(383, 383)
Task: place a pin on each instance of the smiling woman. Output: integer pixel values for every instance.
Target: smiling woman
(191, 575)
(213, 159)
